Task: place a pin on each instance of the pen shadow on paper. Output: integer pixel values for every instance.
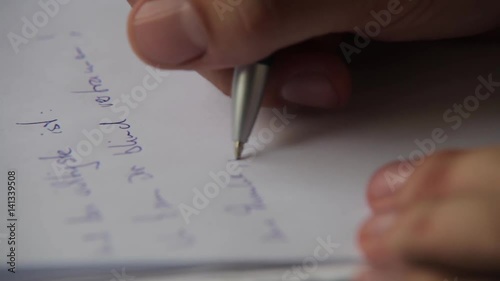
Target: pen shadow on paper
(392, 83)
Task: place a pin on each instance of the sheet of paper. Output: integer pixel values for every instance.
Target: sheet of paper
(118, 164)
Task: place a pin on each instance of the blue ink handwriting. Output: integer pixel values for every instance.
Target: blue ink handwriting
(139, 173)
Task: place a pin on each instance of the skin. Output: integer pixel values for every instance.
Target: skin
(441, 222)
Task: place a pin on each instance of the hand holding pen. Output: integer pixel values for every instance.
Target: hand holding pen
(310, 69)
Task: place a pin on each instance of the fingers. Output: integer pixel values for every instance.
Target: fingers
(439, 175)
(309, 74)
(301, 76)
(441, 212)
(400, 181)
(385, 185)
(194, 34)
(215, 35)
(460, 234)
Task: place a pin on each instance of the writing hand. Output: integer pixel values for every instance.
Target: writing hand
(213, 36)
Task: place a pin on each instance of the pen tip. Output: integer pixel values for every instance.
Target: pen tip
(238, 149)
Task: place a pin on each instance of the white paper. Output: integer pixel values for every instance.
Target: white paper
(121, 205)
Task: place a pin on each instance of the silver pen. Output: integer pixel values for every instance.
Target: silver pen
(249, 83)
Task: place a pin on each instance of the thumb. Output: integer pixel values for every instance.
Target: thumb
(216, 34)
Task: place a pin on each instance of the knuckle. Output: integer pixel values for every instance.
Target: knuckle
(256, 17)
(411, 15)
(239, 31)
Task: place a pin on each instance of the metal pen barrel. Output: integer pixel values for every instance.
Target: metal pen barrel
(248, 91)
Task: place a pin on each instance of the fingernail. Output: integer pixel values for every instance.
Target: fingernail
(379, 225)
(311, 89)
(375, 238)
(388, 180)
(168, 32)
